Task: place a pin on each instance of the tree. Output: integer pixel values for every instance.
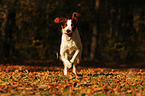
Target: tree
(95, 30)
(10, 28)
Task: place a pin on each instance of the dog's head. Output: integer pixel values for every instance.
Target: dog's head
(68, 25)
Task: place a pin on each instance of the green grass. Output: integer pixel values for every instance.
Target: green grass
(91, 81)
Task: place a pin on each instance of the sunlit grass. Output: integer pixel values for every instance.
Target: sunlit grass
(89, 81)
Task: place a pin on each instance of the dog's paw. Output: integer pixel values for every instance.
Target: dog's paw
(74, 72)
(68, 64)
(71, 61)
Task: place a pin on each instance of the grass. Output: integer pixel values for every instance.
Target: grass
(21, 80)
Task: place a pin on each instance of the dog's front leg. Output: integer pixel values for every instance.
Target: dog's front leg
(65, 65)
(64, 58)
(74, 61)
(74, 56)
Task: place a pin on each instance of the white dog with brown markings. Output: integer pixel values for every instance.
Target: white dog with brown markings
(71, 46)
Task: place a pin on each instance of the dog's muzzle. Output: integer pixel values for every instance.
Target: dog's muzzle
(68, 30)
(68, 34)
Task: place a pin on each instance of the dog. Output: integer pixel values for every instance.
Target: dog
(71, 46)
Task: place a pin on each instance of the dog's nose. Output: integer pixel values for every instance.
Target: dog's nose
(68, 31)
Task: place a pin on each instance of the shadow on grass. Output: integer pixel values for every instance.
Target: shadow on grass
(57, 65)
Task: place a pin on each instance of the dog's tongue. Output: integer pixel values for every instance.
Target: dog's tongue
(68, 37)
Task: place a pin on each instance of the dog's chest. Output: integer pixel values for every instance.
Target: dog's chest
(70, 46)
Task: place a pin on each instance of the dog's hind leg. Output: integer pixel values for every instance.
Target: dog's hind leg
(74, 68)
(65, 70)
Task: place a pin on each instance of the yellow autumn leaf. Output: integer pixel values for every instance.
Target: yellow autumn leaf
(3, 83)
(20, 88)
(129, 91)
(89, 90)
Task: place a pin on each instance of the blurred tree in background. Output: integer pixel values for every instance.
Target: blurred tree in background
(111, 30)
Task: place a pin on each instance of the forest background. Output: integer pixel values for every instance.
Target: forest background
(111, 30)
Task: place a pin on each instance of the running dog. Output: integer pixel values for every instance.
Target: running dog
(71, 46)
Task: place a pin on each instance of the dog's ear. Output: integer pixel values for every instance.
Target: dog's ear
(75, 16)
(60, 20)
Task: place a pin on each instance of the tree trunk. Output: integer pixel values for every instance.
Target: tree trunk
(94, 42)
(95, 30)
(10, 28)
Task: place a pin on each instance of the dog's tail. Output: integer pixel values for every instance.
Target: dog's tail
(58, 56)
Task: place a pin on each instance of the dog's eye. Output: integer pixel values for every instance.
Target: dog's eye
(65, 24)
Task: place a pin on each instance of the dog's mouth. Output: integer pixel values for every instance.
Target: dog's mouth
(68, 36)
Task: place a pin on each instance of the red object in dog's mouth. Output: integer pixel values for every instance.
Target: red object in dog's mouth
(68, 36)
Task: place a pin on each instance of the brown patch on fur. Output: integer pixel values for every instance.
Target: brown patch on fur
(75, 17)
(63, 20)
(60, 20)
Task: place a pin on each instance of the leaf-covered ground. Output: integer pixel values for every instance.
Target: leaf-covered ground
(37, 80)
